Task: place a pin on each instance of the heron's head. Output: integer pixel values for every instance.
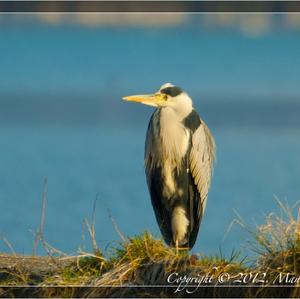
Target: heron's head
(167, 96)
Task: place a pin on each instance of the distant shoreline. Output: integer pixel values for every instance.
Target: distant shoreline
(68, 110)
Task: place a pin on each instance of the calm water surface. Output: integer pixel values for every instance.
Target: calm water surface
(79, 163)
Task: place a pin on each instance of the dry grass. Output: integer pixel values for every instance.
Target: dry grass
(276, 243)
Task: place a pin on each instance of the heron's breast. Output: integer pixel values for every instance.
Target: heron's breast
(173, 137)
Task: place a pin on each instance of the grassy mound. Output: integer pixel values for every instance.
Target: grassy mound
(143, 266)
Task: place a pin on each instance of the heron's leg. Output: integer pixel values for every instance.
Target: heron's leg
(183, 248)
(180, 248)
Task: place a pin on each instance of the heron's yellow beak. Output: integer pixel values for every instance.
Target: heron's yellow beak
(155, 100)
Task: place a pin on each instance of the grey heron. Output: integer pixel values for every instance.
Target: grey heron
(179, 156)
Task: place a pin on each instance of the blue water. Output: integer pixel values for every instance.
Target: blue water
(39, 58)
(80, 163)
(61, 118)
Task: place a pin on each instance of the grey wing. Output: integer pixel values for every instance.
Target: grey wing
(150, 149)
(202, 156)
(155, 180)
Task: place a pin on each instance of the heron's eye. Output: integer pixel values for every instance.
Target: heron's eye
(164, 97)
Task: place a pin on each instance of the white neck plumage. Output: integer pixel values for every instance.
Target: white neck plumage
(182, 105)
(173, 135)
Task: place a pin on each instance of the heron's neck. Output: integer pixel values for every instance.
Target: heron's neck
(181, 108)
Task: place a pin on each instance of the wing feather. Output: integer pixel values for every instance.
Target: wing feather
(202, 156)
(155, 181)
